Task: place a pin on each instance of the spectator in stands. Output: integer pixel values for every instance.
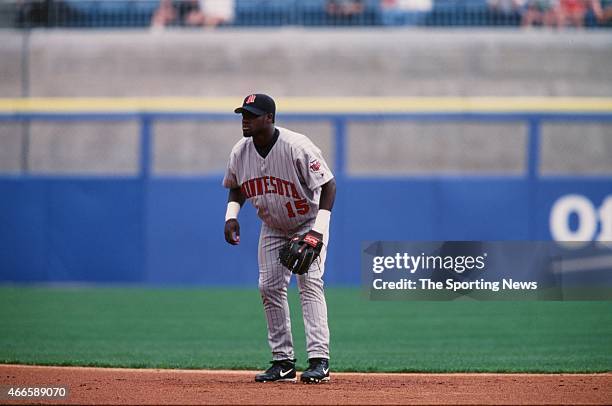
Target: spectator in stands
(602, 10)
(505, 12)
(506, 6)
(41, 13)
(344, 8)
(220, 11)
(572, 13)
(541, 12)
(164, 15)
(212, 13)
(404, 12)
(198, 13)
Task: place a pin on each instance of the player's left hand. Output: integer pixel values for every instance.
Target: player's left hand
(301, 251)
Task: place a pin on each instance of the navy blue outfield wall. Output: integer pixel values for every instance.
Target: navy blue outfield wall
(171, 231)
(145, 229)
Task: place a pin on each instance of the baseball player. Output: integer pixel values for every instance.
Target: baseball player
(285, 177)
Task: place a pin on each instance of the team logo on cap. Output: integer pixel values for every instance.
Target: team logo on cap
(250, 99)
(315, 165)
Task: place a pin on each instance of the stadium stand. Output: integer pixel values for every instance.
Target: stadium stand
(269, 13)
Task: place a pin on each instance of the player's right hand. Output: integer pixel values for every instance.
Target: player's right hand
(232, 231)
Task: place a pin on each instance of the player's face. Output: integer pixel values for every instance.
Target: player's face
(252, 124)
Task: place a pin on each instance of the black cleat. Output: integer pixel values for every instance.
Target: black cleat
(280, 371)
(317, 372)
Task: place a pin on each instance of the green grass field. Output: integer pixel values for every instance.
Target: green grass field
(225, 328)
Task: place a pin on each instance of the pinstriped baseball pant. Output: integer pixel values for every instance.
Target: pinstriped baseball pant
(273, 282)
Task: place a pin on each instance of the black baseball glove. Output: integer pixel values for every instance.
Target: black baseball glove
(301, 251)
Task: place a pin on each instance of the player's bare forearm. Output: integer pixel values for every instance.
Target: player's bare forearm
(328, 195)
(235, 195)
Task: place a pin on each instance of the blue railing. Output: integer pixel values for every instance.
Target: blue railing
(168, 230)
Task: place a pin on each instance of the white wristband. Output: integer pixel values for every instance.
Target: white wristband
(321, 224)
(232, 210)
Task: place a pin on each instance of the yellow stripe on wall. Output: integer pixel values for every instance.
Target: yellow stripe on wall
(312, 104)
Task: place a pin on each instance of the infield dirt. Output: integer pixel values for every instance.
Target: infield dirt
(146, 386)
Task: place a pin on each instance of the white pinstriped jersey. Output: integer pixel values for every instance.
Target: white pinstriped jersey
(285, 186)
